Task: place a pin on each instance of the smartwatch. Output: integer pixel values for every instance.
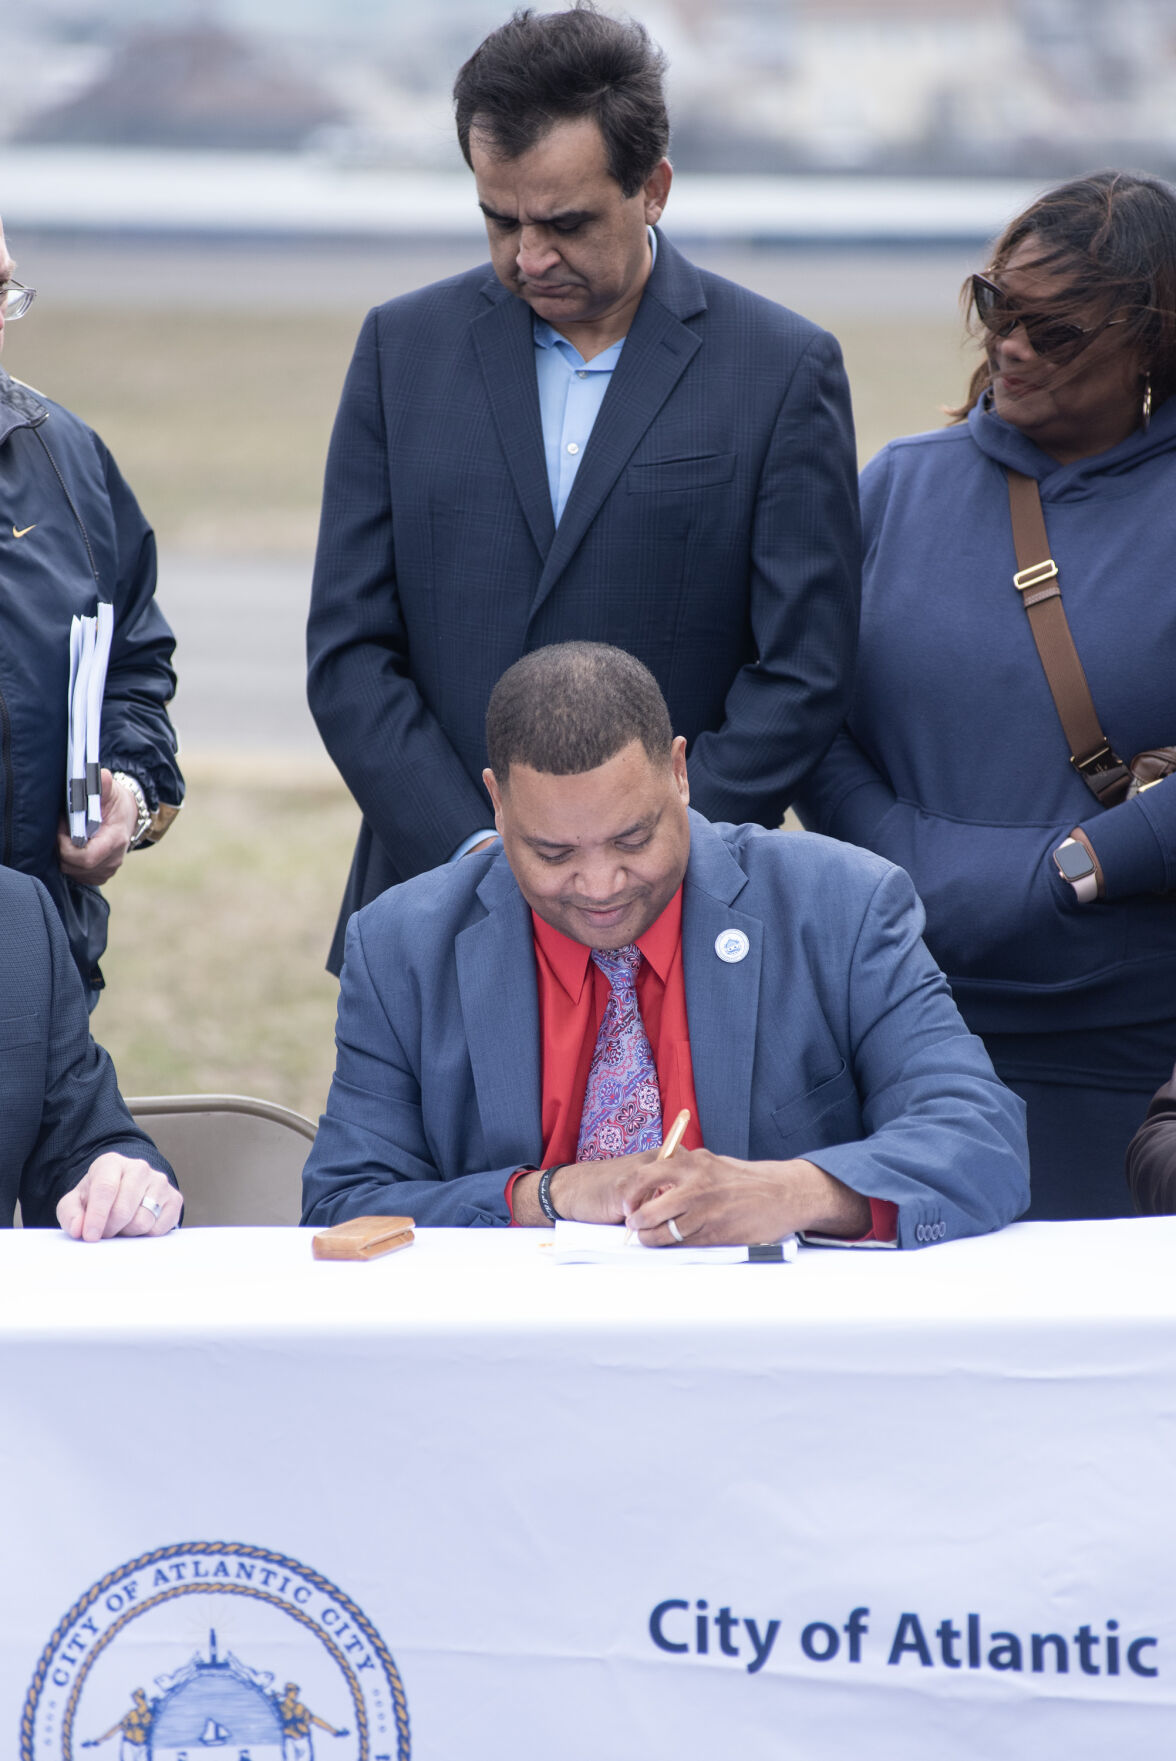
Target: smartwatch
(1075, 864)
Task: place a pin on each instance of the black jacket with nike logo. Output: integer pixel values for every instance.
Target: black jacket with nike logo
(71, 534)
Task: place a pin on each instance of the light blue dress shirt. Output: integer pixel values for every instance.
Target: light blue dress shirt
(571, 391)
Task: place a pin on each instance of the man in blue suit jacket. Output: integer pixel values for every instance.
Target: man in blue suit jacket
(591, 439)
(69, 1150)
(830, 1066)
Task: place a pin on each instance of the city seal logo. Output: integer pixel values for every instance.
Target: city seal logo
(215, 1650)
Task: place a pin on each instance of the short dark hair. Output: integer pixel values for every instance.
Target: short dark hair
(571, 707)
(1113, 234)
(538, 70)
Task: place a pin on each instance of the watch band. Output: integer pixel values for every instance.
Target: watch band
(1085, 885)
(1086, 889)
(135, 789)
(545, 1204)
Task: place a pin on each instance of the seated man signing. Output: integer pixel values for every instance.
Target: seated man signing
(70, 1151)
(547, 1005)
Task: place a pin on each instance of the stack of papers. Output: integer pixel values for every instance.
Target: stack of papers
(600, 1244)
(89, 656)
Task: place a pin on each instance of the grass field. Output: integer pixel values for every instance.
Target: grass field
(215, 977)
(220, 421)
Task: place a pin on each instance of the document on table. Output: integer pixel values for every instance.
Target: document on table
(89, 656)
(604, 1244)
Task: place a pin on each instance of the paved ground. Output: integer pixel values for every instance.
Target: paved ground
(241, 659)
(819, 281)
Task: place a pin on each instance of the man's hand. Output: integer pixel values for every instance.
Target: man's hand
(719, 1201)
(95, 861)
(109, 1200)
(586, 1192)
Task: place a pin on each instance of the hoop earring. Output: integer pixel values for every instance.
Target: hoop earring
(1146, 401)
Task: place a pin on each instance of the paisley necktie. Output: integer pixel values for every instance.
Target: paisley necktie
(622, 1105)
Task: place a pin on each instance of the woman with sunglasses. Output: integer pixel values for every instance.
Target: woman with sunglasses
(1051, 899)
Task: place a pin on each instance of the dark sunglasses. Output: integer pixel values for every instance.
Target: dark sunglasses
(1047, 336)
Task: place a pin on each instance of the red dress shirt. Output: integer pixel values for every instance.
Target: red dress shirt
(573, 993)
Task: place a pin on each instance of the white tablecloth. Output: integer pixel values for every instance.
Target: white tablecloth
(582, 1511)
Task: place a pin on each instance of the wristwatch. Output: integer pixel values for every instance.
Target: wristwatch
(143, 820)
(1075, 864)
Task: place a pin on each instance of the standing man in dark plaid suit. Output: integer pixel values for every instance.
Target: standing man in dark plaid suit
(591, 438)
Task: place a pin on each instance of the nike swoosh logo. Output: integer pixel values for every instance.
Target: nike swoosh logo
(23, 530)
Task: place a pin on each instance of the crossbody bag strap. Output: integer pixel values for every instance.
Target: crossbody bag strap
(1036, 580)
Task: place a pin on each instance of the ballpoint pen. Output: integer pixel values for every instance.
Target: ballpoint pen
(670, 1143)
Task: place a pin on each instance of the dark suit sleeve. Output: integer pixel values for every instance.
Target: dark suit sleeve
(372, 1155)
(82, 1115)
(411, 786)
(783, 708)
(1151, 1157)
(847, 795)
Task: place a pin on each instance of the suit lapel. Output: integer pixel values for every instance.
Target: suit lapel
(722, 997)
(506, 353)
(657, 351)
(500, 1011)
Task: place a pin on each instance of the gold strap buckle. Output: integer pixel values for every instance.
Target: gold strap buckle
(1036, 575)
(1098, 762)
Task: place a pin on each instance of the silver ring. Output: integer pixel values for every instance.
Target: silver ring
(151, 1204)
(676, 1232)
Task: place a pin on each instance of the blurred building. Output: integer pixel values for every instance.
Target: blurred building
(194, 85)
(1035, 88)
(1015, 87)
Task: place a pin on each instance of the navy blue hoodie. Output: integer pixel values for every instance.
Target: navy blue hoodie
(954, 764)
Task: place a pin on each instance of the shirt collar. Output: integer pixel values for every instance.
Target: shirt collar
(569, 960)
(662, 939)
(545, 337)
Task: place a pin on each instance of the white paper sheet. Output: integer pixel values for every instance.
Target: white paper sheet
(75, 769)
(89, 656)
(95, 686)
(599, 1244)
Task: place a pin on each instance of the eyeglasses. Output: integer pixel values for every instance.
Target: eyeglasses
(15, 300)
(1047, 336)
